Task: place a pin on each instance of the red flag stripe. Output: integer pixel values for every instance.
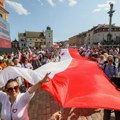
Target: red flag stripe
(83, 84)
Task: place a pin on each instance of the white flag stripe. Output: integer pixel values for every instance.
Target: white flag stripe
(33, 76)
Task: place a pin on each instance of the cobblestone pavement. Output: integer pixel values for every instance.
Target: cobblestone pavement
(44, 107)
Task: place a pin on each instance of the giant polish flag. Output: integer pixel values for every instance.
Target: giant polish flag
(75, 82)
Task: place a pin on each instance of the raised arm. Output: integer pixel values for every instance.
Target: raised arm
(37, 85)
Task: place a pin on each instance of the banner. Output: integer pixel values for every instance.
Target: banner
(5, 41)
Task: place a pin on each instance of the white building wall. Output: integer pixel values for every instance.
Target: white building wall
(49, 36)
(89, 38)
(100, 36)
(22, 43)
(30, 42)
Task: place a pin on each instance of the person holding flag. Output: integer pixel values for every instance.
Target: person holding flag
(30, 53)
(14, 103)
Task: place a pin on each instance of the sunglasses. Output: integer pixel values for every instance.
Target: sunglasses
(10, 89)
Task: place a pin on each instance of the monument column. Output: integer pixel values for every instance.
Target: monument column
(109, 36)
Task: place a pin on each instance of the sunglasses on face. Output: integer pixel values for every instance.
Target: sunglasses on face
(11, 89)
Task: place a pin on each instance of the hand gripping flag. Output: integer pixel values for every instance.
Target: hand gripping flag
(30, 53)
(75, 82)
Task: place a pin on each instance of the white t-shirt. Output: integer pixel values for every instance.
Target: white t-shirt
(19, 109)
(28, 65)
(18, 65)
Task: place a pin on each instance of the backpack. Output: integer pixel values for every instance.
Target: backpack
(106, 64)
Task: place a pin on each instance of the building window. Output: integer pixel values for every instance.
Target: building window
(22, 40)
(49, 35)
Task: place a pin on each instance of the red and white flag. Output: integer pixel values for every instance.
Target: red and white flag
(75, 82)
(82, 84)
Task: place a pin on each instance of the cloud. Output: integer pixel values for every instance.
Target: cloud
(41, 3)
(51, 3)
(61, 1)
(17, 7)
(72, 2)
(104, 6)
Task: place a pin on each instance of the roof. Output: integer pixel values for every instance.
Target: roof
(29, 34)
(106, 26)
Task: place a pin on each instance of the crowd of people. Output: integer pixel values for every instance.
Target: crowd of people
(17, 93)
(102, 54)
(28, 59)
(108, 60)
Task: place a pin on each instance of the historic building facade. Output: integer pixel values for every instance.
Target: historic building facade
(77, 40)
(15, 44)
(95, 35)
(5, 40)
(3, 12)
(100, 33)
(36, 39)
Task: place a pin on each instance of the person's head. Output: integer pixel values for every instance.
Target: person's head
(5, 57)
(15, 60)
(34, 57)
(110, 60)
(25, 61)
(12, 88)
(106, 55)
(9, 56)
(102, 57)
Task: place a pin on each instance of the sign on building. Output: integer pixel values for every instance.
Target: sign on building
(5, 41)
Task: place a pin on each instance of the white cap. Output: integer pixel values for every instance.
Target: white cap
(1, 58)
